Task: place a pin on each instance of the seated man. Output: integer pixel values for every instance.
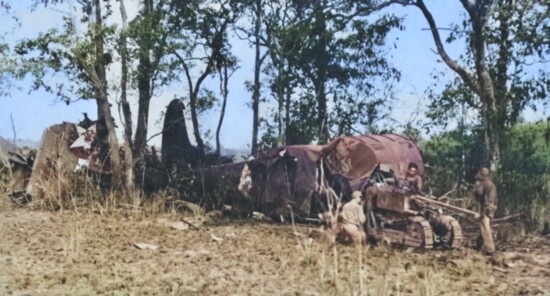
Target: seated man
(414, 181)
(352, 219)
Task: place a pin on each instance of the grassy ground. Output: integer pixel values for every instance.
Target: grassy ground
(86, 253)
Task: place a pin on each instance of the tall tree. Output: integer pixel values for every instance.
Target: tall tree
(97, 71)
(84, 61)
(144, 73)
(200, 40)
(148, 34)
(126, 111)
(334, 50)
(258, 59)
(281, 68)
(503, 37)
(225, 70)
(267, 18)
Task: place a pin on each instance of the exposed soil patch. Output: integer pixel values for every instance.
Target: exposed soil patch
(44, 253)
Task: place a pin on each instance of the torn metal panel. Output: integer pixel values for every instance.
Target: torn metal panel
(21, 168)
(54, 158)
(355, 157)
(285, 176)
(297, 176)
(221, 184)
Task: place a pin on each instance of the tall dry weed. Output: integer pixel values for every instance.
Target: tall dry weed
(5, 174)
(84, 192)
(72, 242)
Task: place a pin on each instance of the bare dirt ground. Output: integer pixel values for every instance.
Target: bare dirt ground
(70, 253)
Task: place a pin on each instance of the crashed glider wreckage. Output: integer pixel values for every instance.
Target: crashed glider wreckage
(303, 182)
(63, 149)
(295, 178)
(293, 181)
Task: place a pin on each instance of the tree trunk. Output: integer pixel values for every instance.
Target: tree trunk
(106, 126)
(280, 103)
(481, 83)
(322, 124)
(486, 91)
(256, 87)
(319, 81)
(287, 98)
(492, 132)
(195, 120)
(224, 78)
(193, 93)
(144, 88)
(127, 113)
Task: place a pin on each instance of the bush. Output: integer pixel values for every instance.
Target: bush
(523, 180)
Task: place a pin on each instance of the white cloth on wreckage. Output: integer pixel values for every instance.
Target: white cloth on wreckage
(245, 183)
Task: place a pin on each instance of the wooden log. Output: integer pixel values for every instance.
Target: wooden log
(445, 205)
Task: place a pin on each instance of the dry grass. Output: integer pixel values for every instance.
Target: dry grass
(85, 246)
(88, 253)
(82, 194)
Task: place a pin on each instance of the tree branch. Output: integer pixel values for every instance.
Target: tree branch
(13, 128)
(466, 77)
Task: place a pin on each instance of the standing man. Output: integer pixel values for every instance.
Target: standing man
(352, 219)
(485, 193)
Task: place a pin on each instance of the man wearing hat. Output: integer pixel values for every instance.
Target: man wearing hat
(352, 219)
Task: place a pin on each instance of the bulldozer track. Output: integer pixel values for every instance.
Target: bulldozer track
(426, 233)
(457, 236)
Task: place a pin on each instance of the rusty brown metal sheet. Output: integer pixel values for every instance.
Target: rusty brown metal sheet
(393, 201)
(356, 156)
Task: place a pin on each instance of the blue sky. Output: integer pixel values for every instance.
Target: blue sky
(414, 57)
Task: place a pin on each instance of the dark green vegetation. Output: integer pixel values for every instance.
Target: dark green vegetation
(523, 180)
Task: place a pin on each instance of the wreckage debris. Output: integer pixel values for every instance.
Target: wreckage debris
(301, 182)
(64, 149)
(177, 151)
(146, 246)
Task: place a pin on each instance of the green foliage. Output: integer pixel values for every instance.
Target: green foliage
(198, 41)
(451, 104)
(334, 51)
(146, 34)
(516, 54)
(526, 194)
(205, 101)
(523, 181)
(301, 128)
(63, 63)
(527, 149)
(445, 156)
(269, 137)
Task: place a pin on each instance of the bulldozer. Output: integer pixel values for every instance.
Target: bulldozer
(377, 165)
(397, 216)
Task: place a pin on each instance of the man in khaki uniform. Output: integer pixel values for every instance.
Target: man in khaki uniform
(485, 193)
(352, 219)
